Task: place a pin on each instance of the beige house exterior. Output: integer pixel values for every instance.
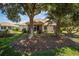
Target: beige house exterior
(23, 26)
(39, 25)
(42, 25)
(6, 25)
(10, 26)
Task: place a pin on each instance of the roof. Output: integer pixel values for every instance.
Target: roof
(36, 22)
(22, 24)
(6, 24)
(41, 22)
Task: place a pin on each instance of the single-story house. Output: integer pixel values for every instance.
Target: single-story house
(6, 25)
(10, 26)
(38, 24)
(42, 25)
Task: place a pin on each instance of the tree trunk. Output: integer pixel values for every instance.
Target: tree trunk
(57, 30)
(31, 28)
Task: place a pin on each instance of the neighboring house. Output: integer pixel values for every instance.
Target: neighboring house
(10, 26)
(6, 25)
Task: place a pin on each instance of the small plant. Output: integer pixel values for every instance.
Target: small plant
(16, 29)
(24, 30)
(39, 32)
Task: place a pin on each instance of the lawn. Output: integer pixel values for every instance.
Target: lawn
(65, 51)
(47, 45)
(6, 48)
(76, 38)
(40, 45)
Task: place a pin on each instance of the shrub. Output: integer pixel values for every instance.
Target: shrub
(39, 32)
(45, 31)
(16, 29)
(25, 31)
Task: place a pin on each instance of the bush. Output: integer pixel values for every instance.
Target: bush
(16, 29)
(45, 31)
(6, 31)
(24, 30)
(39, 32)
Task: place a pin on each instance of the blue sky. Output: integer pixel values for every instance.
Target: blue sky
(24, 18)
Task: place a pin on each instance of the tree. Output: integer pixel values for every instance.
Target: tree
(13, 10)
(71, 21)
(57, 12)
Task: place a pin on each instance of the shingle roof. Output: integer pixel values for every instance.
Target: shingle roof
(22, 24)
(36, 22)
(6, 24)
(41, 21)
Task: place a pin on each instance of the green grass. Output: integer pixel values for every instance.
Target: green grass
(9, 39)
(75, 40)
(9, 51)
(65, 51)
(6, 49)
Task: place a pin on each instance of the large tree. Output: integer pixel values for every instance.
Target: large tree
(13, 11)
(70, 22)
(57, 13)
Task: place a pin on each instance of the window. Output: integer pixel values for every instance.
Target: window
(3, 27)
(45, 27)
(9, 27)
(35, 28)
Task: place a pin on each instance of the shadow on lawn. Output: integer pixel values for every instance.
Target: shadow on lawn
(43, 42)
(73, 35)
(6, 35)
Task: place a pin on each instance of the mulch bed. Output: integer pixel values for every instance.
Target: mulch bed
(42, 42)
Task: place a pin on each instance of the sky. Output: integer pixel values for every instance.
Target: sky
(24, 18)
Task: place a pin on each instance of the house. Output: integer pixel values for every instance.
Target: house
(39, 25)
(42, 25)
(6, 25)
(22, 26)
(10, 26)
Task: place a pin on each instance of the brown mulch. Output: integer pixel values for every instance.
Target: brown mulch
(42, 42)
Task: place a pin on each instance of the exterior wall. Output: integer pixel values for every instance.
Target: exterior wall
(42, 28)
(0, 28)
(50, 28)
(6, 28)
(23, 27)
